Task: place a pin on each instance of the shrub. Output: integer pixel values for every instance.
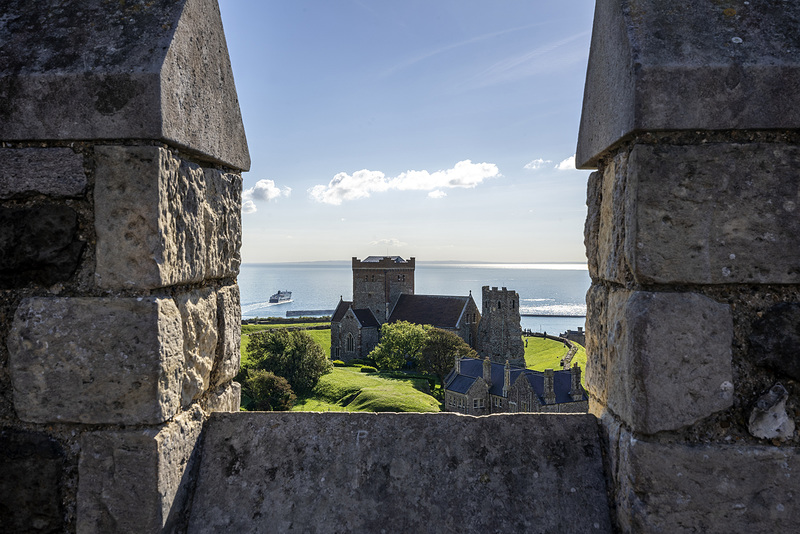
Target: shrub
(267, 392)
(293, 355)
(339, 363)
(368, 369)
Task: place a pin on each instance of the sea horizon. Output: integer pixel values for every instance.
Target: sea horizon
(555, 292)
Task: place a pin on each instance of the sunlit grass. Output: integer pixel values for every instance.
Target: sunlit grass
(347, 389)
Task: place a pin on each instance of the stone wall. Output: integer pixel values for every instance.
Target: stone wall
(693, 253)
(359, 472)
(120, 199)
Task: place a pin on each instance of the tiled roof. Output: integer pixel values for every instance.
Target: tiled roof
(437, 310)
(473, 368)
(341, 309)
(366, 318)
(461, 384)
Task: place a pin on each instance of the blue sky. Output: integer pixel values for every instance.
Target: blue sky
(440, 129)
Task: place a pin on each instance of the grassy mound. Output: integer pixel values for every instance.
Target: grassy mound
(347, 389)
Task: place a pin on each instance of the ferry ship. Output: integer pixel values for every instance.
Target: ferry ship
(280, 296)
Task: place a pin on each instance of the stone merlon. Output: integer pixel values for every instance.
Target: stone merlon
(657, 65)
(86, 69)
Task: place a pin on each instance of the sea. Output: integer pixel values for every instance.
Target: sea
(552, 295)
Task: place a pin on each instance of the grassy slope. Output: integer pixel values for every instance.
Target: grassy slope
(347, 389)
(541, 354)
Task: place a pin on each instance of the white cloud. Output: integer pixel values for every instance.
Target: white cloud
(363, 183)
(437, 194)
(567, 165)
(264, 190)
(537, 164)
(391, 242)
(248, 206)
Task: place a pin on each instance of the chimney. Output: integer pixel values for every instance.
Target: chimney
(458, 364)
(549, 387)
(487, 371)
(507, 379)
(576, 390)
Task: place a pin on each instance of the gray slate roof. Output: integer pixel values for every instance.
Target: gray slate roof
(441, 311)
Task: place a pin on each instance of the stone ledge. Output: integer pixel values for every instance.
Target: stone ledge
(362, 472)
(657, 65)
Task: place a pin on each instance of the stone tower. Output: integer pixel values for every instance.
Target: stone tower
(378, 281)
(499, 332)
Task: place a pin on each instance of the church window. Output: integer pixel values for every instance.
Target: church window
(373, 277)
(512, 304)
(337, 352)
(499, 305)
(366, 278)
(475, 403)
(351, 344)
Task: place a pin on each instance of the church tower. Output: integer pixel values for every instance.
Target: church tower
(499, 332)
(378, 281)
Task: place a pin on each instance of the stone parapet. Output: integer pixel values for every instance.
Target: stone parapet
(657, 66)
(360, 472)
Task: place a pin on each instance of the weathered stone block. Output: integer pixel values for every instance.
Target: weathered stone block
(222, 216)
(56, 172)
(665, 360)
(199, 320)
(157, 221)
(591, 229)
(612, 226)
(229, 354)
(681, 488)
(359, 472)
(38, 244)
(227, 398)
(657, 65)
(167, 76)
(32, 465)
(96, 360)
(714, 214)
(138, 480)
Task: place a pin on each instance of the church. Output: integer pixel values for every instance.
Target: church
(383, 292)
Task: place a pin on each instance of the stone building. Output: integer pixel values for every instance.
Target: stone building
(499, 332)
(483, 387)
(383, 292)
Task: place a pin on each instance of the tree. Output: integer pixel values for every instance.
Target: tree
(400, 342)
(267, 392)
(441, 348)
(294, 355)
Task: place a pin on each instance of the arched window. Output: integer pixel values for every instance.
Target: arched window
(351, 344)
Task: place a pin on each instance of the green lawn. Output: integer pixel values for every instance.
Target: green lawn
(541, 354)
(348, 389)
